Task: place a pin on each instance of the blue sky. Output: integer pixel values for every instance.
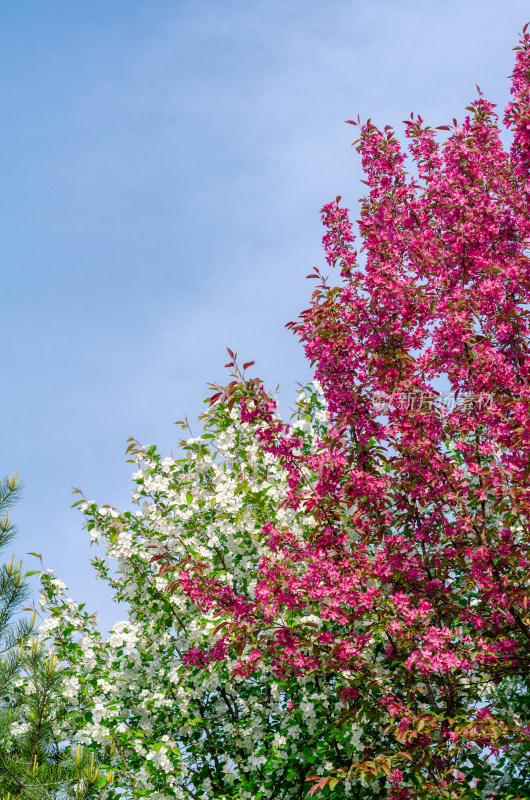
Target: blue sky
(163, 167)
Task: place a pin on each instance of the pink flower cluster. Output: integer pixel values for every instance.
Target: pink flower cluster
(420, 543)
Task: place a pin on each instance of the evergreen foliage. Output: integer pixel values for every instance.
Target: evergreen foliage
(34, 763)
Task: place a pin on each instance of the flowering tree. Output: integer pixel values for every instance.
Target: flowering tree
(340, 604)
(421, 547)
(180, 702)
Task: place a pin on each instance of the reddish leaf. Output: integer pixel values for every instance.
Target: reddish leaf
(320, 785)
(219, 627)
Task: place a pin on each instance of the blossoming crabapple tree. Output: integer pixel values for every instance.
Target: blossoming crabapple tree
(421, 551)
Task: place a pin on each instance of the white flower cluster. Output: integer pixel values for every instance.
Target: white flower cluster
(173, 709)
